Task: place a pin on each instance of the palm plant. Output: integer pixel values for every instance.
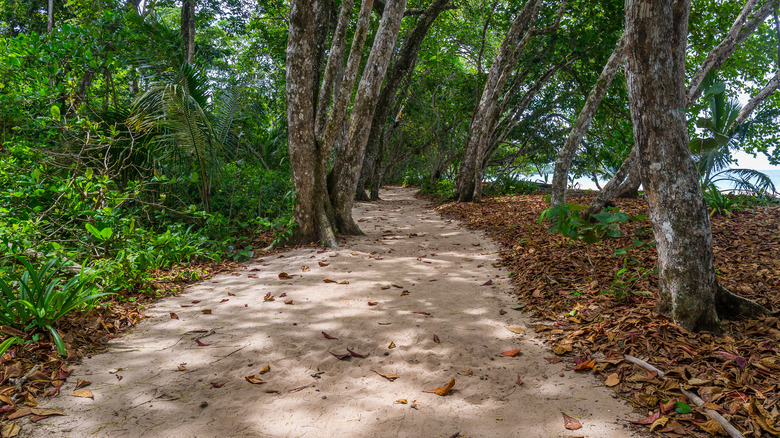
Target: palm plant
(185, 120)
(712, 151)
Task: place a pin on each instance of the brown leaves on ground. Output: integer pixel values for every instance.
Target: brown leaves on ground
(593, 311)
(510, 353)
(443, 390)
(570, 422)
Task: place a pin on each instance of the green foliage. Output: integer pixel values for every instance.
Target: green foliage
(567, 220)
(36, 299)
(725, 203)
(442, 190)
(511, 185)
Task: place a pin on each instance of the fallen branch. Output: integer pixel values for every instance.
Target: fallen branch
(731, 430)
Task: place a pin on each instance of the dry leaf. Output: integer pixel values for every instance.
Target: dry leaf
(392, 345)
(327, 336)
(444, 390)
(268, 297)
(83, 393)
(385, 287)
(553, 359)
(517, 330)
(10, 430)
(356, 354)
(372, 303)
(288, 302)
(218, 384)
(519, 381)
(195, 301)
(612, 380)
(46, 411)
(82, 383)
(224, 299)
(323, 263)
(20, 413)
(404, 293)
(340, 356)
(571, 423)
(174, 316)
(305, 268)
(585, 365)
(182, 368)
(487, 283)
(389, 377)
(712, 427)
(284, 276)
(328, 280)
(206, 311)
(344, 282)
(255, 380)
(401, 401)
(510, 353)
(265, 369)
(198, 341)
(436, 339)
(561, 349)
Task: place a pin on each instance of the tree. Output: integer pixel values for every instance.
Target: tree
(656, 37)
(188, 29)
(487, 112)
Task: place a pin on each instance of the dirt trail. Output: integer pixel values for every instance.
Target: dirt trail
(441, 265)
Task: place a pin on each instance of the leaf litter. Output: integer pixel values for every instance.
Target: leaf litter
(595, 316)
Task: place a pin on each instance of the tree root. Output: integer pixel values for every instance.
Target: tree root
(729, 305)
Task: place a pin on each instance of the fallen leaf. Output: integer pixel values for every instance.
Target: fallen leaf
(502, 312)
(224, 299)
(712, 427)
(288, 302)
(392, 345)
(255, 380)
(328, 280)
(487, 283)
(344, 282)
(340, 356)
(174, 316)
(284, 276)
(571, 423)
(561, 349)
(231, 294)
(356, 354)
(401, 401)
(404, 293)
(82, 383)
(443, 390)
(649, 420)
(197, 341)
(414, 405)
(300, 388)
(519, 381)
(84, 393)
(510, 353)
(682, 408)
(389, 377)
(46, 411)
(323, 263)
(253, 276)
(283, 294)
(272, 391)
(517, 330)
(10, 430)
(265, 369)
(182, 368)
(327, 336)
(585, 365)
(305, 268)
(612, 380)
(118, 377)
(553, 359)
(436, 339)
(395, 285)
(186, 305)
(385, 287)
(206, 311)
(268, 297)
(372, 303)
(218, 384)
(195, 301)
(20, 413)
(423, 313)
(668, 406)
(761, 416)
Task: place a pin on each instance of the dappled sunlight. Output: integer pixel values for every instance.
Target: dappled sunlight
(434, 320)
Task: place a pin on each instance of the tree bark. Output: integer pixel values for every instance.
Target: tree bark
(581, 125)
(50, 18)
(400, 70)
(485, 114)
(656, 36)
(188, 30)
(346, 167)
(613, 186)
(308, 174)
(762, 95)
(630, 187)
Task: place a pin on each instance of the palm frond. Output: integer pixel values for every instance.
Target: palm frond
(746, 180)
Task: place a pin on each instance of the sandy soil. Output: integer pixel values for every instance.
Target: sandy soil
(441, 265)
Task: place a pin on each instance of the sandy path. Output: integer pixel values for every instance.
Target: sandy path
(341, 398)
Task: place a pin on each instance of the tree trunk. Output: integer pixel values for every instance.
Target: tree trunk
(402, 68)
(630, 187)
(656, 35)
(188, 29)
(346, 167)
(581, 125)
(486, 113)
(614, 184)
(306, 160)
(50, 19)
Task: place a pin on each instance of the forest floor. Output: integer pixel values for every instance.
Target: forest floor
(343, 343)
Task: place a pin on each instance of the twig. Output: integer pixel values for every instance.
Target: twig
(731, 430)
(19, 381)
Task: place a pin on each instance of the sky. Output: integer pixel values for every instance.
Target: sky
(747, 161)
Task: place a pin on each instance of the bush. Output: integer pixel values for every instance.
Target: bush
(567, 220)
(35, 300)
(511, 185)
(443, 190)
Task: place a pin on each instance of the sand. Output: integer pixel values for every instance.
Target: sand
(168, 381)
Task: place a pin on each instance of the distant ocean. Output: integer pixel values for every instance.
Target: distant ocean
(588, 184)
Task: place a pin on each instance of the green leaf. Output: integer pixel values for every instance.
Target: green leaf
(620, 252)
(55, 112)
(682, 408)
